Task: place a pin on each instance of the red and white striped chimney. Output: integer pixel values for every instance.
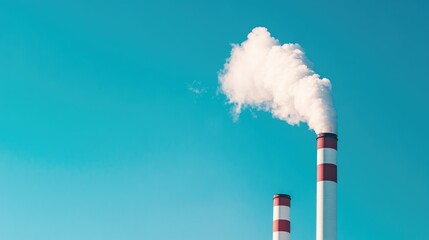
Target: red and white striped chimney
(281, 217)
(326, 216)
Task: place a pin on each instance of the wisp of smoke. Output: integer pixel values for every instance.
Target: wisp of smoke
(265, 75)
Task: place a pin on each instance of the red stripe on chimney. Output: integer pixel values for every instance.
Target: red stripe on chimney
(327, 172)
(281, 226)
(327, 142)
(282, 201)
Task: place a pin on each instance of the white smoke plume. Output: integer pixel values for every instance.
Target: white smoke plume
(265, 75)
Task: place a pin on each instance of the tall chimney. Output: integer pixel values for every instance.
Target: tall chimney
(326, 216)
(281, 217)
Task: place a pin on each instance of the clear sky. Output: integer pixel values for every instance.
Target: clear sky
(111, 126)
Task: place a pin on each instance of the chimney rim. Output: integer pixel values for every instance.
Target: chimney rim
(327, 135)
(281, 195)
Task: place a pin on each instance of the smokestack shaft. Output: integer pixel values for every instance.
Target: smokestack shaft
(326, 214)
(281, 217)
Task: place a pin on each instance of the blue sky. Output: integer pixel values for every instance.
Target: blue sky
(102, 137)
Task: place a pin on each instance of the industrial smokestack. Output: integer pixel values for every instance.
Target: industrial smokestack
(281, 217)
(326, 216)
